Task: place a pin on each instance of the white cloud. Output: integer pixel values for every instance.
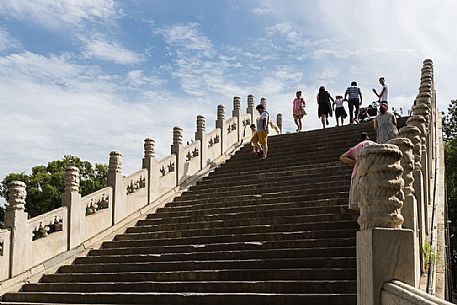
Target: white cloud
(55, 13)
(188, 37)
(263, 9)
(98, 47)
(6, 41)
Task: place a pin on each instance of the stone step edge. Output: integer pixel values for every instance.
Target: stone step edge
(225, 220)
(236, 227)
(229, 235)
(219, 252)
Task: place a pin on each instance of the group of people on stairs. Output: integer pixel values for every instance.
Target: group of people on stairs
(384, 122)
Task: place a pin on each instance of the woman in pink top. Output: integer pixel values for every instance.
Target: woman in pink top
(299, 110)
(351, 157)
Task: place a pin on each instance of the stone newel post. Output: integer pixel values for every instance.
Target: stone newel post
(71, 198)
(384, 250)
(236, 113)
(409, 210)
(422, 184)
(220, 123)
(413, 134)
(149, 163)
(251, 107)
(201, 135)
(116, 181)
(16, 220)
(279, 121)
(177, 149)
(236, 107)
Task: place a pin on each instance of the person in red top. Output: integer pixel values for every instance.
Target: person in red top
(351, 157)
(298, 110)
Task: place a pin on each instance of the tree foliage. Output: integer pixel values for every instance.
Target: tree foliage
(46, 183)
(450, 149)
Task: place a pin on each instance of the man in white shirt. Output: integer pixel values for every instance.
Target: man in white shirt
(384, 94)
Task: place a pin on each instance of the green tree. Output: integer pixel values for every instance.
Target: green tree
(450, 151)
(46, 183)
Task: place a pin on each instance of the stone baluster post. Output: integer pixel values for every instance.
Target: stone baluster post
(149, 163)
(384, 250)
(409, 209)
(16, 219)
(236, 113)
(116, 182)
(413, 134)
(251, 108)
(220, 123)
(71, 198)
(177, 149)
(423, 108)
(201, 135)
(279, 121)
(419, 122)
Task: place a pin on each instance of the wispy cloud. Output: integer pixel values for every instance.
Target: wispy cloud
(263, 9)
(55, 14)
(99, 47)
(188, 37)
(7, 42)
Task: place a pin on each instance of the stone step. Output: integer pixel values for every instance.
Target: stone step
(209, 213)
(220, 255)
(285, 173)
(296, 286)
(267, 228)
(206, 275)
(286, 185)
(271, 220)
(272, 169)
(255, 164)
(265, 198)
(268, 166)
(195, 208)
(228, 246)
(215, 181)
(250, 237)
(277, 193)
(303, 262)
(183, 298)
(276, 180)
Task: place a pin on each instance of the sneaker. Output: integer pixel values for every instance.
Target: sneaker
(263, 158)
(326, 121)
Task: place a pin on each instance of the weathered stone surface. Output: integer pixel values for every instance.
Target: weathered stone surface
(380, 186)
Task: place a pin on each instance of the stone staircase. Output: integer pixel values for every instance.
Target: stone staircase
(273, 231)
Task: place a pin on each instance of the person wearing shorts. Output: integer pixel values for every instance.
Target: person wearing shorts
(260, 138)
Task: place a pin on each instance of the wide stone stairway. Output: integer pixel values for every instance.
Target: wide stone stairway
(273, 231)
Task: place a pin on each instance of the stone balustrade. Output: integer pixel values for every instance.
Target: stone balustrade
(30, 242)
(396, 187)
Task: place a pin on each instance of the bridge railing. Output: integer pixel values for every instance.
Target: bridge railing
(27, 243)
(397, 201)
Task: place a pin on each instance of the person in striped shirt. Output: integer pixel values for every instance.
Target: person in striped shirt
(353, 102)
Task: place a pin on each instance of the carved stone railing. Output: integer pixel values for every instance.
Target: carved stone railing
(96, 212)
(27, 243)
(397, 205)
(49, 235)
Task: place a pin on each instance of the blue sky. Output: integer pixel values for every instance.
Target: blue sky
(86, 77)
